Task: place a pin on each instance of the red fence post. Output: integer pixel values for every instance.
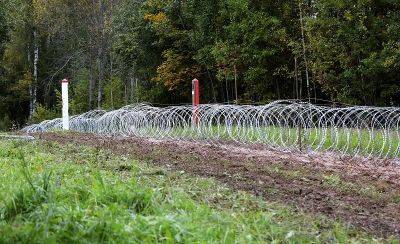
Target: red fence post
(195, 101)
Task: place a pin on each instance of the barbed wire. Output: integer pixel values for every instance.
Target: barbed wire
(357, 131)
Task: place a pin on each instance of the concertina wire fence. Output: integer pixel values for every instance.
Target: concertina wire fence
(359, 131)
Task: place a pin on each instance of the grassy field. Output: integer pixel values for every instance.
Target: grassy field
(378, 142)
(52, 193)
(351, 141)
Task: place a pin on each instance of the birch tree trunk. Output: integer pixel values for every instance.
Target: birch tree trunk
(33, 86)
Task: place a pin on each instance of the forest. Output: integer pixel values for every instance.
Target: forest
(119, 52)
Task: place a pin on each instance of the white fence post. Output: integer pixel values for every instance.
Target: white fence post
(65, 116)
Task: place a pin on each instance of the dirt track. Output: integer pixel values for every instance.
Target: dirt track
(366, 195)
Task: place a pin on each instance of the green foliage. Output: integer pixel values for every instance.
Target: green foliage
(42, 113)
(78, 89)
(350, 44)
(114, 93)
(150, 50)
(3, 28)
(5, 123)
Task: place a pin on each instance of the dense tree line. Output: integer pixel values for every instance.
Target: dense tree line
(117, 52)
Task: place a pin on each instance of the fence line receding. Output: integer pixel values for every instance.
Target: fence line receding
(359, 131)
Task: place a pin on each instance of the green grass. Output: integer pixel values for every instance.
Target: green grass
(346, 140)
(62, 194)
(379, 143)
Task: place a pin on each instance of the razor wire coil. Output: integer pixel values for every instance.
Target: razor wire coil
(358, 131)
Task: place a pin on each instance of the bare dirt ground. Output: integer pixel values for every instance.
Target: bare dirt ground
(363, 194)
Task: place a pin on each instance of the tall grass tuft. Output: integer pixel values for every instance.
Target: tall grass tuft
(28, 197)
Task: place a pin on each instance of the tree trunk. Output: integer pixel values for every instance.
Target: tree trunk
(33, 86)
(212, 86)
(91, 78)
(236, 89)
(132, 85)
(304, 52)
(132, 90)
(112, 98)
(126, 93)
(301, 84)
(136, 90)
(315, 87)
(226, 86)
(296, 78)
(101, 54)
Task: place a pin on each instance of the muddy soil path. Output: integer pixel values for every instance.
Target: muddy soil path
(365, 195)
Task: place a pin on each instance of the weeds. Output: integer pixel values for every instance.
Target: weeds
(46, 199)
(29, 197)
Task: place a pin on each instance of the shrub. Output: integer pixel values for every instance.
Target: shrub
(42, 113)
